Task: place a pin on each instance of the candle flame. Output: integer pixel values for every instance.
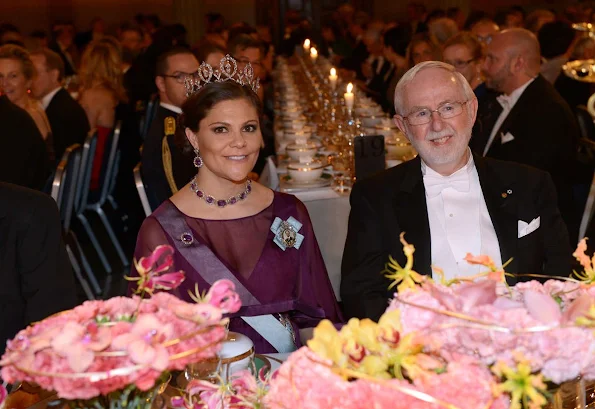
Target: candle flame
(333, 72)
(349, 88)
(307, 42)
(313, 52)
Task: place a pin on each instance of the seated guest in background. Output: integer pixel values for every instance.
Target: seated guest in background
(63, 44)
(210, 53)
(537, 18)
(173, 68)
(24, 159)
(529, 123)
(377, 70)
(484, 30)
(246, 49)
(396, 41)
(441, 30)
(220, 224)
(37, 279)
(10, 34)
(465, 53)
(514, 17)
(96, 32)
(448, 202)
(16, 77)
(131, 41)
(101, 91)
(421, 48)
(66, 117)
(556, 41)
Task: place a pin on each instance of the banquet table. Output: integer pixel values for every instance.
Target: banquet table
(329, 212)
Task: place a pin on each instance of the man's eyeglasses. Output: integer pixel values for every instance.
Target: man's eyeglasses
(460, 64)
(446, 111)
(180, 77)
(485, 39)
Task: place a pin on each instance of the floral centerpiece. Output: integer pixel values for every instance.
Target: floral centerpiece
(116, 353)
(462, 344)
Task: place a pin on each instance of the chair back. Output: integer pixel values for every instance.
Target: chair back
(84, 177)
(141, 189)
(64, 183)
(585, 123)
(149, 115)
(110, 163)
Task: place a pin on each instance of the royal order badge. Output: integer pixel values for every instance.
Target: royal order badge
(286, 233)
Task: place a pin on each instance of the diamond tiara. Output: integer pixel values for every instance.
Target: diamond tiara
(228, 71)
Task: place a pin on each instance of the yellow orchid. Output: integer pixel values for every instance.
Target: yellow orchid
(403, 277)
(375, 366)
(363, 332)
(526, 389)
(404, 357)
(389, 328)
(588, 275)
(327, 343)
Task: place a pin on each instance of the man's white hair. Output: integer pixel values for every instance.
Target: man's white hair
(412, 73)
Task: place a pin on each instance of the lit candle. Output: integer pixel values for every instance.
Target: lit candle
(306, 45)
(349, 97)
(333, 78)
(313, 54)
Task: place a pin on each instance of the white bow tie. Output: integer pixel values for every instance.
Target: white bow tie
(435, 184)
(505, 101)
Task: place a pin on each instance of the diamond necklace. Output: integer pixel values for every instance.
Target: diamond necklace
(210, 200)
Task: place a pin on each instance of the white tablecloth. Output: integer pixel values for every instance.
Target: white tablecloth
(329, 213)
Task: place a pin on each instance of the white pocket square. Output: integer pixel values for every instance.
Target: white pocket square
(527, 228)
(504, 138)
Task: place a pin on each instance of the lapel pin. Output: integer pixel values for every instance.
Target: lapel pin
(505, 194)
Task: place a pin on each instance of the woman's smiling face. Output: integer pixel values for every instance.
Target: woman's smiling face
(229, 139)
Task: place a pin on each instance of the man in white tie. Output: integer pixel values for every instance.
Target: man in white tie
(447, 201)
(528, 122)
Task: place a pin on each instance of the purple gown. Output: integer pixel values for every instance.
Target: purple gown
(292, 284)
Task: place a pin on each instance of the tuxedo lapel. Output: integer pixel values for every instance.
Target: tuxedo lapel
(412, 216)
(526, 100)
(502, 206)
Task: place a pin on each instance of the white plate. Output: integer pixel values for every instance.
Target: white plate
(289, 185)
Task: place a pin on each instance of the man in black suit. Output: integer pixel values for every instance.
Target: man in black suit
(172, 68)
(63, 45)
(447, 201)
(23, 156)
(37, 278)
(68, 119)
(529, 122)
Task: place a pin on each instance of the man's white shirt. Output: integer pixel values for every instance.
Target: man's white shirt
(459, 220)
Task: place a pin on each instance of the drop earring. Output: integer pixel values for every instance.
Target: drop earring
(197, 159)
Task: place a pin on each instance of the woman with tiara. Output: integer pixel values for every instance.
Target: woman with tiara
(223, 225)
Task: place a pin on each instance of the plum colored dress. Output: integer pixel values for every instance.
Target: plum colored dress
(292, 285)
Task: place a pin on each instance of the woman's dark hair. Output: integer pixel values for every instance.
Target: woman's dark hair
(198, 106)
(398, 38)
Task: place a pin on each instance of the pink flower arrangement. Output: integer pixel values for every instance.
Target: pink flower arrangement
(307, 381)
(104, 346)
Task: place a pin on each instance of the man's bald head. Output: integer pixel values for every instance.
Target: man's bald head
(512, 58)
(522, 42)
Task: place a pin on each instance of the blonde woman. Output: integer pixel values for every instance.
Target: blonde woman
(101, 91)
(16, 76)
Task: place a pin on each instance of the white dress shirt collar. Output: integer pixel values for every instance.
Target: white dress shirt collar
(171, 107)
(45, 101)
(514, 96)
